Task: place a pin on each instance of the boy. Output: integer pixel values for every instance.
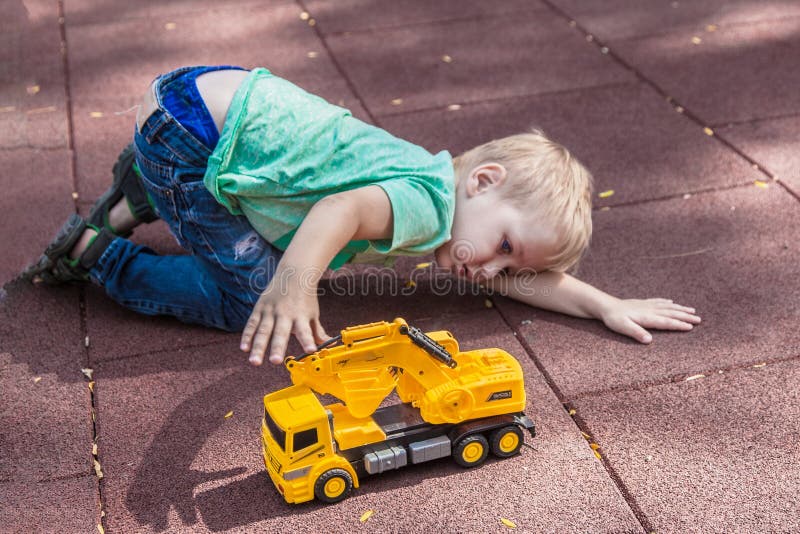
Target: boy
(251, 172)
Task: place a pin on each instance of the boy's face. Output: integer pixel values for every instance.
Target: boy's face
(489, 235)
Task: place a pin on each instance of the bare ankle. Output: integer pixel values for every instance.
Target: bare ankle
(120, 217)
(82, 243)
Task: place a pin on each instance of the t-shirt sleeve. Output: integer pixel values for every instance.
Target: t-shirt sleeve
(422, 212)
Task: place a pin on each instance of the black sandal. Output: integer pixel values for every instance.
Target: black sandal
(126, 183)
(56, 267)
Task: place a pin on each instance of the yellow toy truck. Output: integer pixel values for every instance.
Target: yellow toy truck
(459, 404)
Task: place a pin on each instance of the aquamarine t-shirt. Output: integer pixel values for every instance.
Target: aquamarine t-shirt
(282, 149)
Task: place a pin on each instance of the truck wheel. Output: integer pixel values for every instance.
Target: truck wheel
(333, 485)
(506, 441)
(471, 451)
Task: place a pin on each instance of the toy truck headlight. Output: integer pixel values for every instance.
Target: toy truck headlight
(296, 473)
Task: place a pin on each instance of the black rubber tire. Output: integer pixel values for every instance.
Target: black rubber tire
(458, 452)
(319, 485)
(497, 436)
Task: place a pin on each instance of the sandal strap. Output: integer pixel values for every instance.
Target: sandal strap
(96, 248)
(137, 196)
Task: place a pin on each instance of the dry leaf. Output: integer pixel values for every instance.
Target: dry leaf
(711, 28)
(170, 26)
(585, 435)
(572, 411)
(229, 415)
(397, 101)
(594, 446)
(100, 529)
(606, 194)
(411, 283)
(508, 522)
(37, 379)
(762, 185)
(312, 54)
(95, 114)
(756, 366)
(33, 89)
(94, 449)
(87, 372)
(696, 40)
(447, 59)
(97, 470)
(91, 386)
(453, 107)
(488, 303)
(695, 377)
(366, 515)
(423, 265)
(597, 455)
(708, 131)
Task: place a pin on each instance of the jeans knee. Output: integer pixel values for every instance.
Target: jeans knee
(235, 311)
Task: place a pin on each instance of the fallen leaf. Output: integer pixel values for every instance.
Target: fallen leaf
(397, 101)
(572, 411)
(423, 265)
(488, 303)
(170, 26)
(606, 194)
(95, 114)
(304, 15)
(585, 435)
(453, 107)
(762, 185)
(312, 54)
(87, 372)
(411, 283)
(94, 449)
(33, 89)
(312, 22)
(594, 446)
(597, 455)
(696, 40)
(91, 386)
(229, 415)
(508, 522)
(97, 470)
(37, 379)
(756, 366)
(708, 131)
(366, 515)
(711, 28)
(695, 377)
(447, 59)
(100, 529)
(86, 339)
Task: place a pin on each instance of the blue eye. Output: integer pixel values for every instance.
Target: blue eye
(505, 246)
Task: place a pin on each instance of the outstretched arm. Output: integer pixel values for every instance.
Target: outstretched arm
(563, 293)
(289, 303)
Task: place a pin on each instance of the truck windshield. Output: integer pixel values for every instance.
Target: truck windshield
(275, 431)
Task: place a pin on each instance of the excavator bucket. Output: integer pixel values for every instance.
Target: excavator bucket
(363, 390)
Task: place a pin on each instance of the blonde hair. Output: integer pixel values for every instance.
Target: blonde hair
(542, 176)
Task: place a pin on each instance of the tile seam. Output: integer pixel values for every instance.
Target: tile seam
(627, 496)
(500, 99)
(82, 301)
(778, 117)
(679, 378)
(690, 115)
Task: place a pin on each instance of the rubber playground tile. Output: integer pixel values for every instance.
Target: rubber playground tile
(729, 254)
(736, 73)
(110, 60)
(173, 460)
(45, 422)
(634, 143)
(32, 99)
(464, 61)
(774, 144)
(622, 19)
(37, 187)
(68, 505)
(361, 15)
(82, 12)
(716, 453)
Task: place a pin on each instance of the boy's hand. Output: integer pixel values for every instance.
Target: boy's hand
(630, 317)
(280, 312)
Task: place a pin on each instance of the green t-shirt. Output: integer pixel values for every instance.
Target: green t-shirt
(282, 150)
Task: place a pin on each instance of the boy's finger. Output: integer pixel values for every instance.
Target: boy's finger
(682, 316)
(250, 330)
(280, 338)
(262, 336)
(637, 332)
(304, 336)
(319, 332)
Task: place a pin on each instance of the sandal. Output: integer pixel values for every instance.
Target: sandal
(56, 267)
(126, 183)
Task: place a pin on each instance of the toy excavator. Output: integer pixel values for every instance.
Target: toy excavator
(455, 403)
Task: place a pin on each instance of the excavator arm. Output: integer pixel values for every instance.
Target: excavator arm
(363, 365)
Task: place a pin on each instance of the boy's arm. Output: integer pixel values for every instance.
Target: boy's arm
(563, 293)
(289, 303)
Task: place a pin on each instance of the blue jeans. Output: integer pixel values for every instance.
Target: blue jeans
(228, 264)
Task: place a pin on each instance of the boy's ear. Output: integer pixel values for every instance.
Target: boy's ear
(484, 177)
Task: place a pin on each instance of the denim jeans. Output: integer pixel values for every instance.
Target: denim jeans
(228, 263)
